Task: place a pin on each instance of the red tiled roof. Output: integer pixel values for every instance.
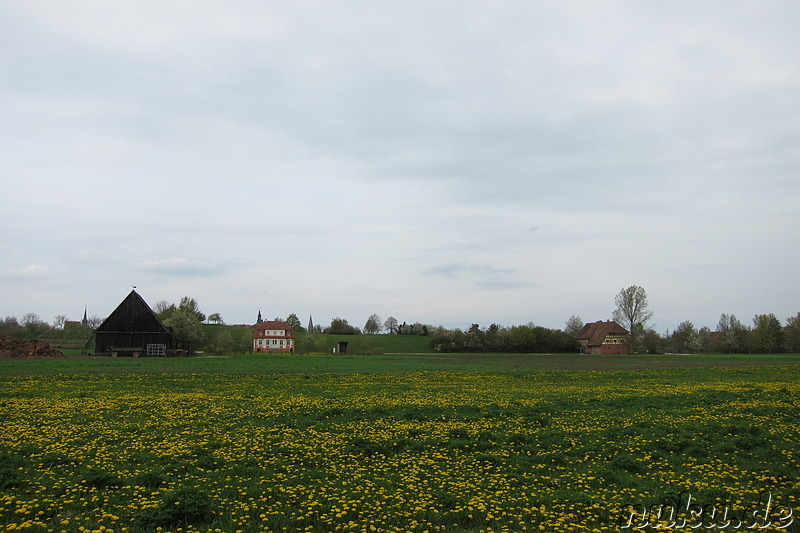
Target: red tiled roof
(274, 324)
(596, 332)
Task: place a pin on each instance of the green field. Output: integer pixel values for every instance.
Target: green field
(253, 363)
(358, 344)
(398, 443)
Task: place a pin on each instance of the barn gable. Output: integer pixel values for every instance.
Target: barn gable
(603, 338)
(133, 328)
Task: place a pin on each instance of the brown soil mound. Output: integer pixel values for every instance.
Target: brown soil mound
(14, 347)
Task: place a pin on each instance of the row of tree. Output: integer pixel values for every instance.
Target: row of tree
(31, 325)
(373, 326)
(529, 338)
(767, 334)
(731, 335)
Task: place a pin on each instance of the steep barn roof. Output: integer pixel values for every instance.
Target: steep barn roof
(132, 315)
(596, 332)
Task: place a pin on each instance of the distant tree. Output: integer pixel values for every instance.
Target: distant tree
(58, 321)
(95, 321)
(10, 327)
(190, 304)
(294, 323)
(448, 341)
(215, 318)
(791, 337)
(373, 325)
(705, 339)
(223, 343)
(574, 325)
(474, 328)
(390, 326)
(632, 312)
(652, 342)
(522, 339)
(439, 330)
(309, 343)
(340, 326)
(419, 329)
(767, 332)
(185, 327)
(685, 338)
(733, 333)
(496, 338)
(750, 343)
(33, 325)
(163, 308)
(31, 320)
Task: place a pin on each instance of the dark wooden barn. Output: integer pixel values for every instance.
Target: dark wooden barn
(132, 329)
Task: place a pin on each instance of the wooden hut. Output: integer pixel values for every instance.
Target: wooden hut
(132, 329)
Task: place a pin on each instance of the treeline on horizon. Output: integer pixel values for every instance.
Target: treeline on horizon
(766, 335)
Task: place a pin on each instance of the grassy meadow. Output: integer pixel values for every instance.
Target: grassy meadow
(398, 443)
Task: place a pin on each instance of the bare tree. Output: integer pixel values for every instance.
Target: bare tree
(373, 325)
(31, 320)
(58, 321)
(390, 325)
(632, 312)
(574, 325)
(9, 326)
(163, 308)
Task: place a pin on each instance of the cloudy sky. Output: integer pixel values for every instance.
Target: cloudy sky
(446, 162)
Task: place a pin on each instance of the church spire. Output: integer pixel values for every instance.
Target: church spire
(310, 325)
(85, 321)
(259, 317)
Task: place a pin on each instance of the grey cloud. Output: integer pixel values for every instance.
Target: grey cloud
(180, 266)
(499, 284)
(27, 271)
(452, 269)
(532, 136)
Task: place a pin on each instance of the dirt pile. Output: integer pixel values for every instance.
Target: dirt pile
(14, 347)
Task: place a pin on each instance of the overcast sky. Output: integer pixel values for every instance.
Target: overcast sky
(447, 162)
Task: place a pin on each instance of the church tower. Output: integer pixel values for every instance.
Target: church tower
(85, 321)
(259, 317)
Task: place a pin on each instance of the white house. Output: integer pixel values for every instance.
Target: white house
(273, 336)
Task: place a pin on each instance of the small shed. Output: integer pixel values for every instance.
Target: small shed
(133, 329)
(341, 347)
